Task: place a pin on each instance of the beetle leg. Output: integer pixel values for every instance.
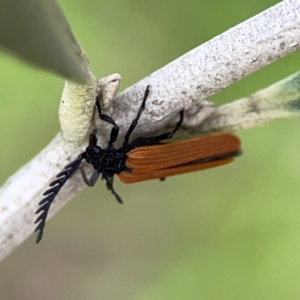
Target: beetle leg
(92, 180)
(109, 185)
(115, 130)
(169, 135)
(135, 121)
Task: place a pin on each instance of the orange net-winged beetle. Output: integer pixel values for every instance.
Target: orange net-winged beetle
(144, 158)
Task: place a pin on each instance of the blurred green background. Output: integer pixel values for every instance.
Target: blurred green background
(227, 233)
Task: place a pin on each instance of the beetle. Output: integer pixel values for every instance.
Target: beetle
(144, 158)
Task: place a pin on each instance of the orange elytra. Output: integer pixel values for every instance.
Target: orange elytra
(160, 161)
